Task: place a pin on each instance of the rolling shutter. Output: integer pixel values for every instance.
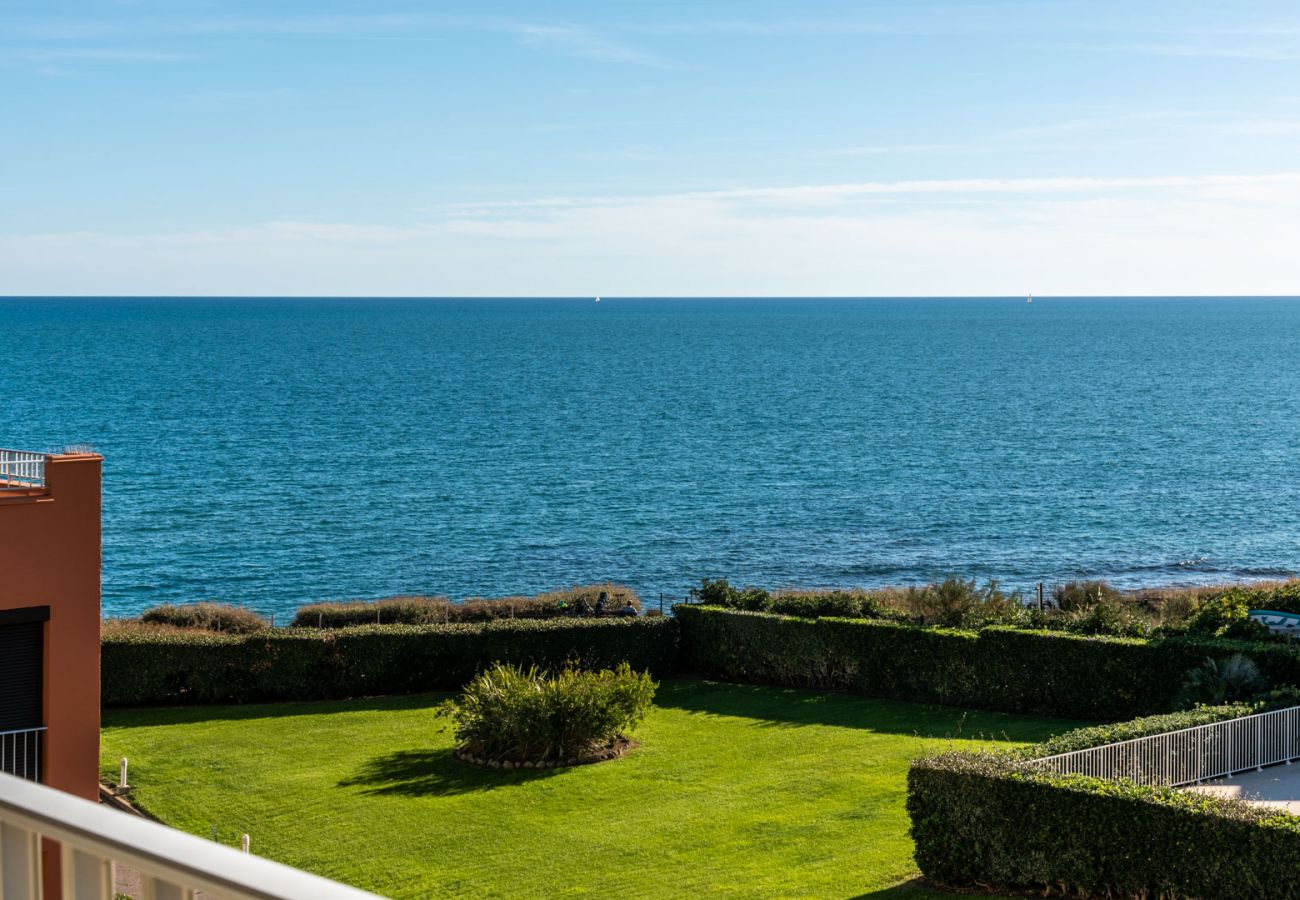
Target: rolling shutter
(21, 665)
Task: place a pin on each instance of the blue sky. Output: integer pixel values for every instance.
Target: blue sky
(649, 148)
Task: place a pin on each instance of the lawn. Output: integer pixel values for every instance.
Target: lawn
(736, 790)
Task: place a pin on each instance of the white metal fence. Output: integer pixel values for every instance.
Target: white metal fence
(20, 752)
(21, 469)
(171, 864)
(1190, 755)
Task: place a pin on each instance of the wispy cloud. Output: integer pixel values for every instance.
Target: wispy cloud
(51, 55)
(1179, 234)
(852, 192)
(579, 41)
(587, 44)
(1207, 51)
(885, 149)
(1261, 127)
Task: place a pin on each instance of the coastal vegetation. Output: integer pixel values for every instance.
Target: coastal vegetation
(824, 687)
(583, 600)
(146, 665)
(515, 717)
(1011, 669)
(736, 790)
(1081, 607)
(206, 617)
(589, 600)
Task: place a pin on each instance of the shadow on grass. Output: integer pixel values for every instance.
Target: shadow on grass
(145, 716)
(794, 707)
(434, 773)
(918, 887)
(774, 706)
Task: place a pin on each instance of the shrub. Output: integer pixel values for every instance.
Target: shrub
(818, 604)
(508, 713)
(387, 611)
(1215, 616)
(989, 820)
(999, 668)
(152, 665)
(1220, 681)
(1105, 615)
(958, 603)
(1077, 596)
(721, 593)
(584, 600)
(206, 616)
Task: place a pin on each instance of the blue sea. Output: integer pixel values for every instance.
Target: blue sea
(272, 452)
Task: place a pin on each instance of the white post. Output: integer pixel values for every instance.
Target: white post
(121, 778)
(243, 843)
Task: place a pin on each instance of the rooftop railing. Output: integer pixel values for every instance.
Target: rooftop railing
(21, 470)
(94, 839)
(1189, 755)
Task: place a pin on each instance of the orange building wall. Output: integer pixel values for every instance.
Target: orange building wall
(50, 556)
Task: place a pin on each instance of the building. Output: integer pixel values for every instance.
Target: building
(49, 618)
(49, 622)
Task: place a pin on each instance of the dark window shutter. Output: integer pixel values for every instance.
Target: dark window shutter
(21, 650)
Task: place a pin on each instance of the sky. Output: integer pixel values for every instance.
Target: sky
(649, 149)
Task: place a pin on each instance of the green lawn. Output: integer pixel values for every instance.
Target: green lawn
(736, 790)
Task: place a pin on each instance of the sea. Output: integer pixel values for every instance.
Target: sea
(272, 452)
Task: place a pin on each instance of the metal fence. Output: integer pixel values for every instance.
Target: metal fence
(1190, 755)
(20, 469)
(20, 752)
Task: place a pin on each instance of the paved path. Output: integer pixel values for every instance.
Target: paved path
(1277, 786)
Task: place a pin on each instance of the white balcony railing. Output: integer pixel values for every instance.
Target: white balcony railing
(20, 752)
(21, 469)
(1189, 755)
(171, 864)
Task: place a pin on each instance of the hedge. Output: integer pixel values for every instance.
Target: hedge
(163, 666)
(985, 819)
(998, 668)
(1113, 733)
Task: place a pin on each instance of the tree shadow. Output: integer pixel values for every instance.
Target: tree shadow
(795, 707)
(918, 887)
(145, 716)
(434, 773)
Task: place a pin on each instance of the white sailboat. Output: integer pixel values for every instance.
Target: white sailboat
(1030, 299)
(597, 299)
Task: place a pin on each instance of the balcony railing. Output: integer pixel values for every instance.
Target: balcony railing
(20, 752)
(93, 839)
(21, 469)
(1190, 755)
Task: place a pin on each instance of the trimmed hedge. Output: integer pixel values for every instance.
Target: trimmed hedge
(1098, 735)
(999, 668)
(986, 819)
(162, 666)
